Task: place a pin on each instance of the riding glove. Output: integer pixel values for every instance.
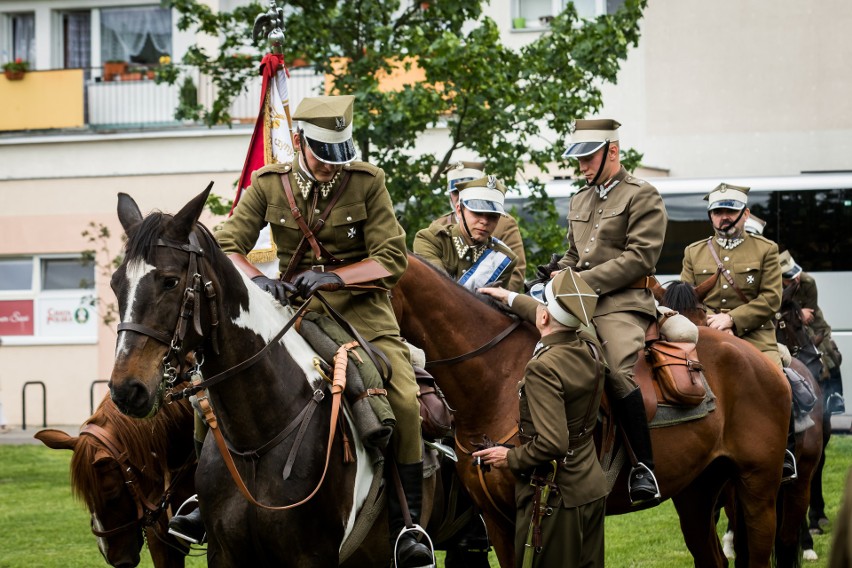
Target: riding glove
(278, 288)
(543, 271)
(310, 281)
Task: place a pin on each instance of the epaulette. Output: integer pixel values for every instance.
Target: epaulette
(762, 238)
(541, 350)
(362, 167)
(635, 181)
(702, 242)
(274, 168)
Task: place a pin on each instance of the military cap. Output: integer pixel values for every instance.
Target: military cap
(754, 225)
(484, 195)
(459, 172)
(727, 196)
(326, 124)
(589, 136)
(789, 268)
(569, 299)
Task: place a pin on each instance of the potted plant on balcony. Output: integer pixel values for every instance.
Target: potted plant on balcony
(114, 68)
(14, 70)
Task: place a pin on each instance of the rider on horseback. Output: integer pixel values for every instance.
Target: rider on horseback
(333, 225)
(467, 250)
(745, 299)
(617, 226)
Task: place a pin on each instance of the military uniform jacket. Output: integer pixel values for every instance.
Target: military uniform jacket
(560, 385)
(361, 226)
(754, 267)
(507, 231)
(806, 296)
(616, 240)
(435, 244)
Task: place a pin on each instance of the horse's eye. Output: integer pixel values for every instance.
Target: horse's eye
(170, 283)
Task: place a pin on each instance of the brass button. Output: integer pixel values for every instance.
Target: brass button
(727, 259)
(724, 286)
(283, 220)
(349, 218)
(586, 263)
(587, 250)
(724, 301)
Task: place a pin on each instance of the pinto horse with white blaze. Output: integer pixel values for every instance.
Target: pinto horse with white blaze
(741, 442)
(178, 294)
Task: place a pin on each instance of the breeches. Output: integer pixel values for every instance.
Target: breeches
(622, 335)
(402, 395)
(572, 536)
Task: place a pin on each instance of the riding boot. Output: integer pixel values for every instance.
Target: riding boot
(188, 526)
(790, 472)
(410, 553)
(642, 484)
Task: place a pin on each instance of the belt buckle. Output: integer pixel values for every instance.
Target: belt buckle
(318, 267)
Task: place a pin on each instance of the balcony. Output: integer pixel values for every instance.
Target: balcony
(82, 100)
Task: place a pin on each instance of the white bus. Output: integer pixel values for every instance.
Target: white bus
(809, 214)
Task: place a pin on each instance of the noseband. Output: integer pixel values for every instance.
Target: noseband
(147, 512)
(190, 309)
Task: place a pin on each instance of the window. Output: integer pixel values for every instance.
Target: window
(136, 35)
(536, 13)
(76, 39)
(47, 300)
(23, 37)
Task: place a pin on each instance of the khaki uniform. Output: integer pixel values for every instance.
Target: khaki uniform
(614, 242)
(807, 297)
(435, 244)
(361, 226)
(561, 384)
(507, 231)
(755, 269)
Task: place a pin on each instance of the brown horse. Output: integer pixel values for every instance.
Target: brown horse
(794, 497)
(130, 473)
(742, 441)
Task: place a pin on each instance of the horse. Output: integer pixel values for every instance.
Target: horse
(273, 481)
(130, 473)
(794, 497)
(459, 331)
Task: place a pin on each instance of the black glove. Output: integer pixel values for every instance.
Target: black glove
(543, 271)
(278, 288)
(310, 281)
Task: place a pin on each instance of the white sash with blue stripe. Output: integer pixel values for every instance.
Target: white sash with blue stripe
(486, 270)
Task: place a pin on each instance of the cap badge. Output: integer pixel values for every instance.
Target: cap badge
(492, 182)
(339, 123)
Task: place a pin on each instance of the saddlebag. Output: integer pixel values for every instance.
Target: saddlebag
(677, 372)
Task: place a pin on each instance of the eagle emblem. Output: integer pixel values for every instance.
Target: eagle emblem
(339, 123)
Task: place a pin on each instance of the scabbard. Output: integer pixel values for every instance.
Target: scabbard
(542, 486)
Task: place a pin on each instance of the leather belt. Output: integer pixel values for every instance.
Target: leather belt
(644, 282)
(326, 267)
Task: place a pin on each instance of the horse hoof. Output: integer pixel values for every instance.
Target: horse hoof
(810, 554)
(728, 545)
(822, 522)
(816, 530)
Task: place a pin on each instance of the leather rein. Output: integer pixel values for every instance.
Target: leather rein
(191, 310)
(147, 512)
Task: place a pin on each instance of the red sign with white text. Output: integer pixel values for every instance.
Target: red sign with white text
(16, 317)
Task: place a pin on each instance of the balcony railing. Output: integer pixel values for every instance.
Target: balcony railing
(137, 101)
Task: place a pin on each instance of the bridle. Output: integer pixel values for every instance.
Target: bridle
(190, 309)
(147, 512)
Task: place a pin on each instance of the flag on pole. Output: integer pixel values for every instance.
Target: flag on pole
(271, 143)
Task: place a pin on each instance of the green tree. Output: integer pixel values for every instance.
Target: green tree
(511, 107)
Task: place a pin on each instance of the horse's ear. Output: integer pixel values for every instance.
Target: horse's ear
(56, 439)
(704, 288)
(187, 217)
(128, 212)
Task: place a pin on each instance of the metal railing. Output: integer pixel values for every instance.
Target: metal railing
(24, 403)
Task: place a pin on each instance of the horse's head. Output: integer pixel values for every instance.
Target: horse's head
(166, 291)
(791, 322)
(684, 298)
(117, 463)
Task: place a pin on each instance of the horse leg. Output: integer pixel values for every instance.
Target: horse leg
(165, 551)
(502, 536)
(695, 507)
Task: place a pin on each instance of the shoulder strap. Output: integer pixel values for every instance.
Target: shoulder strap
(308, 236)
(725, 272)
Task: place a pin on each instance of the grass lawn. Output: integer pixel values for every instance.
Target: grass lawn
(42, 526)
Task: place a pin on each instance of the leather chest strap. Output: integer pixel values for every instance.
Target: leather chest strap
(725, 272)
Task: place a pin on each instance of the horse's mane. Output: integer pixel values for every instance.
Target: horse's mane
(680, 296)
(146, 443)
(487, 300)
(142, 238)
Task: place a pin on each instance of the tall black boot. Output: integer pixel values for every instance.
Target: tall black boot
(410, 553)
(641, 485)
(790, 471)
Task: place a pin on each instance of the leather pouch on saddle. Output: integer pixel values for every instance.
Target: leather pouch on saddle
(677, 372)
(804, 397)
(365, 392)
(435, 414)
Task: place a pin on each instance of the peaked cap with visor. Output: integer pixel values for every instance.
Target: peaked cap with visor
(460, 172)
(484, 195)
(789, 268)
(727, 196)
(589, 136)
(325, 123)
(569, 299)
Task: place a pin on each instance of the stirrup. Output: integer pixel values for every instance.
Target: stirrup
(792, 462)
(644, 472)
(415, 528)
(180, 513)
(835, 404)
